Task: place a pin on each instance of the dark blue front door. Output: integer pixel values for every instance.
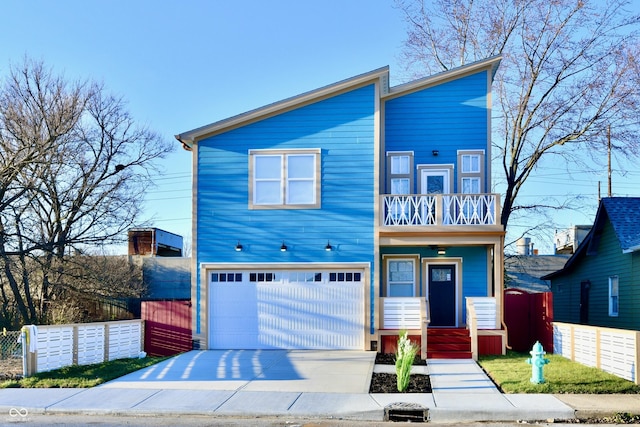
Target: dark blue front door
(442, 294)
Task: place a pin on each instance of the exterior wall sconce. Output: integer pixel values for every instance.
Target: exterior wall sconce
(328, 248)
(442, 251)
(435, 153)
(239, 247)
(283, 248)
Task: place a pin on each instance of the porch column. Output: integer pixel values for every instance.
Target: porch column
(498, 277)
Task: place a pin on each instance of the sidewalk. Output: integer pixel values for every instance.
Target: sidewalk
(300, 384)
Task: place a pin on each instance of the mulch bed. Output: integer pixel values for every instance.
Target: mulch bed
(387, 383)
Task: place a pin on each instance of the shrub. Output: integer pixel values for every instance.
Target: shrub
(405, 354)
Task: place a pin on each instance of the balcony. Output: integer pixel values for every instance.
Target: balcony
(428, 210)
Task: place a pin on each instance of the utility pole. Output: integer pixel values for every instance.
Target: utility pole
(609, 160)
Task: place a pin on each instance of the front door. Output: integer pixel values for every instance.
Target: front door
(442, 294)
(584, 302)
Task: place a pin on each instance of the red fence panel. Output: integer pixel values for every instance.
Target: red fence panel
(167, 327)
(529, 319)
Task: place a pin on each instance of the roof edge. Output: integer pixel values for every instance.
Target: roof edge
(492, 63)
(190, 137)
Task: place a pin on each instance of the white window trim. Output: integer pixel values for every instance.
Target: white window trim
(284, 180)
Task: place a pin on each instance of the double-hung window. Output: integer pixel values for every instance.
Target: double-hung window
(400, 172)
(284, 179)
(471, 171)
(399, 182)
(401, 275)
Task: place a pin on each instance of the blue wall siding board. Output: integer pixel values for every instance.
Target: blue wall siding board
(448, 117)
(343, 127)
(474, 267)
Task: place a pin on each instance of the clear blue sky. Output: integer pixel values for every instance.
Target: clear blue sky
(184, 64)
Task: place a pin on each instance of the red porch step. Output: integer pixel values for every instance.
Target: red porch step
(448, 343)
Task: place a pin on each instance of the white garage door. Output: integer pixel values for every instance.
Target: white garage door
(286, 309)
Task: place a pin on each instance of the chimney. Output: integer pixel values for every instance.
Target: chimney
(524, 246)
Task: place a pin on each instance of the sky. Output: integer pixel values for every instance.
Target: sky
(185, 64)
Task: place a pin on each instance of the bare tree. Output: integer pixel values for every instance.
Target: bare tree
(569, 71)
(74, 167)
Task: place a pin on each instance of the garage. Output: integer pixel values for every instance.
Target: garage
(288, 309)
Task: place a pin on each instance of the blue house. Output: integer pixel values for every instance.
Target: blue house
(336, 218)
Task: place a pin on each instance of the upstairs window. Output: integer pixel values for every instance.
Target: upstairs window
(284, 179)
(400, 172)
(470, 163)
(471, 171)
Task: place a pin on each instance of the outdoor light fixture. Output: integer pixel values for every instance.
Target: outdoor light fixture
(442, 251)
(435, 152)
(283, 248)
(328, 248)
(239, 247)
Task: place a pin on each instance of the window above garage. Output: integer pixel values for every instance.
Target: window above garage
(284, 179)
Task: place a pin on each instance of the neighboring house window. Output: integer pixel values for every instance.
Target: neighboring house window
(284, 179)
(400, 172)
(471, 171)
(613, 296)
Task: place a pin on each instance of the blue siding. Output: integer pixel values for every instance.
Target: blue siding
(448, 117)
(474, 267)
(343, 128)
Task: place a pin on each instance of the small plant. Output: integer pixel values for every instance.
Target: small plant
(405, 354)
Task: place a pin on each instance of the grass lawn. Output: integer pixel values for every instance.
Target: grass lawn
(82, 376)
(511, 373)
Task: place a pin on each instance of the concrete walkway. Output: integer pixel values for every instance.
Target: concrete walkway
(322, 384)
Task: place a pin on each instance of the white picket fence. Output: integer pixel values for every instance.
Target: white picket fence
(616, 351)
(84, 344)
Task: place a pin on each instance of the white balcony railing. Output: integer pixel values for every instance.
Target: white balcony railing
(440, 209)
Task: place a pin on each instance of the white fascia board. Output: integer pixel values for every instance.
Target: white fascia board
(631, 249)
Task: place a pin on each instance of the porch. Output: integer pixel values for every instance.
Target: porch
(483, 333)
(440, 210)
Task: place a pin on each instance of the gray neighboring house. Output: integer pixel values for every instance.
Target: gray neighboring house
(167, 278)
(165, 271)
(525, 272)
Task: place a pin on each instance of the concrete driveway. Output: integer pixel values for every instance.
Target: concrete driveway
(326, 371)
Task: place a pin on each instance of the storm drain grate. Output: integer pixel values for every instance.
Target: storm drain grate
(406, 412)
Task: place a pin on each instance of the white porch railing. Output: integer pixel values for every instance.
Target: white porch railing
(481, 315)
(409, 314)
(440, 209)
